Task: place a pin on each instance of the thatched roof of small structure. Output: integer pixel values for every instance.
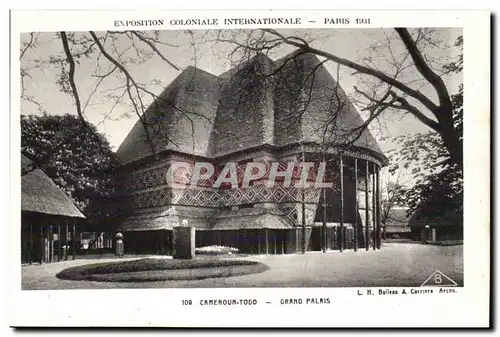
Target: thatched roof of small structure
(40, 194)
(247, 218)
(161, 220)
(269, 221)
(251, 218)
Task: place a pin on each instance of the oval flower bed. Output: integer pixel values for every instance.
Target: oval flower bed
(216, 250)
(152, 270)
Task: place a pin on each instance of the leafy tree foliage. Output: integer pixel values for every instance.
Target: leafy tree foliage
(438, 191)
(77, 157)
(393, 195)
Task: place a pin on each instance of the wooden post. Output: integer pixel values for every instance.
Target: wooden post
(237, 233)
(325, 235)
(73, 241)
(267, 241)
(31, 243)
(258, 242)
(59, 242)
(297, 240)
(51, 246)
(249, 239)
(304, 245)
(356, 204)
(284, 240)
(165, 241)
(157, 245)
(245, 241)
(367, 215)
(324, 220)
(42, 250)
(379, 234)
(274, 240)
(303, 224)
(374, 209)
(66, 242)
(342, 236)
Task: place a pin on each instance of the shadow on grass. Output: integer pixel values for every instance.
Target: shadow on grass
(152, 270)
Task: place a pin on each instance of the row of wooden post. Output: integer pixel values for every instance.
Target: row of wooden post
(376, 241)
(51, 243)
(377, 238)
(267, 243)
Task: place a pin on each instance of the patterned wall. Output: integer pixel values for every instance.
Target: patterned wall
(149, 189)
(224, 198)
(157, 176)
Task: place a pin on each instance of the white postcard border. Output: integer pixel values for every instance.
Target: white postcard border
(162, 307)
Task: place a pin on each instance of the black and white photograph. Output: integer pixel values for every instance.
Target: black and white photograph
(260, 153)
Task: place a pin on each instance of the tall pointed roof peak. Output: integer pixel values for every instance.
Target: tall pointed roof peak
(237, 98)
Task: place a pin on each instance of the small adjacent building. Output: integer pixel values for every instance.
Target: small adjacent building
(48, 218)
(437, 228)
(396, 226)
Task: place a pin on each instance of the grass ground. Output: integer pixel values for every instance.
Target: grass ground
(396, 264)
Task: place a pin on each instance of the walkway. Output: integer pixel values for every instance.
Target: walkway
(396, 264)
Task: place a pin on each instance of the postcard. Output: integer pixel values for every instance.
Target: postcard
(250, 168)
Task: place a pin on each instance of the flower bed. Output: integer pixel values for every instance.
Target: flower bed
(216, 250)
(149, 270)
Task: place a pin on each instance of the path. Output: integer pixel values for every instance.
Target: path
(396, 264)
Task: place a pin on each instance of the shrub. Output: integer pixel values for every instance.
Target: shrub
(216, 250)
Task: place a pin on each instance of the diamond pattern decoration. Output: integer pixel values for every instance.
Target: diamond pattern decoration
(250, 194)
(292, 215)
(310, 213)
(213, 198)
(264, 193)
(279, 193)
(223, 198)
(157, 176)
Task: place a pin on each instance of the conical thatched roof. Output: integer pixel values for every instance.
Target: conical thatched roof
(40, 194)
(184, 113)
(259, 102)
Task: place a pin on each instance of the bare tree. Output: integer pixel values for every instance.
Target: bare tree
(118, 55)
(386, 87)
(114, 55)
(393, 195)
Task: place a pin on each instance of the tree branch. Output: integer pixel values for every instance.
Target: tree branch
(417, 113)
(422, 66)
(129, 79)
(71, 75)
(153, 47)
(361, 69)
(28, 45)
(403, 105)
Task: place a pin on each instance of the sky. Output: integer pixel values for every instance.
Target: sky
(183, 48)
